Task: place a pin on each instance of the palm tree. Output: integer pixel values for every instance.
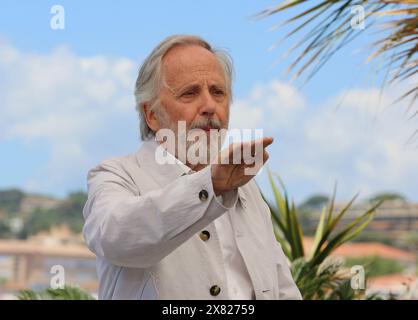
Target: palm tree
(317, 274)
(66, 293)
(331, 28)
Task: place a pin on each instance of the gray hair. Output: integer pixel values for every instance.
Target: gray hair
(148, 83)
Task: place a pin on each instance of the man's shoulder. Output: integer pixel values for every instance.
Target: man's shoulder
(117, 164)
(120, 171)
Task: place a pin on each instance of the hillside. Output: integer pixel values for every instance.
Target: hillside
(23, 214)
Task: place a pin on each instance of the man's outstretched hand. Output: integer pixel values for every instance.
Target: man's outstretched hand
(231, 170)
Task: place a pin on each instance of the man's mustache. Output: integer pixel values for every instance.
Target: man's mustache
(206, 123)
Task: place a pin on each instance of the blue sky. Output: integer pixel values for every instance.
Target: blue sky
(66, 96)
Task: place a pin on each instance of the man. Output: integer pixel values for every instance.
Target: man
(183, 229)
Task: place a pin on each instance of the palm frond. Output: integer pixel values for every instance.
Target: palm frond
(318, 275)
(330, 30)
(66, 293)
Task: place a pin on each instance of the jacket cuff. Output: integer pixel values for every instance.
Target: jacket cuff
(226, 200)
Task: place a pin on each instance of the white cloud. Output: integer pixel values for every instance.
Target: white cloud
(82, 107)
(268, 106)
(353, 138)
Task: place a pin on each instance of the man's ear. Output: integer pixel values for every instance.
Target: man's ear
(150, 117)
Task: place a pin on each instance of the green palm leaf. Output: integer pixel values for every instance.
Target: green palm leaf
(329, 20)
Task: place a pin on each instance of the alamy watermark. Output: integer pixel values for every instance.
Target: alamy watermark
(358, 279)
(58, 277)
(359, 17)
(198, 146)
(57, 21)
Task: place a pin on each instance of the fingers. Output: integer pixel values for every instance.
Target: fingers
(253, 168)
(259, 144)
(265, 141)
(265, 156)
(259, 164)
(245, 152)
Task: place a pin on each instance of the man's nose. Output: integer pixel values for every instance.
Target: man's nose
(208, 105)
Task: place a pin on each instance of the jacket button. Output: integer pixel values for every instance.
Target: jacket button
(215, 290)
(203, 195)
(204, 235)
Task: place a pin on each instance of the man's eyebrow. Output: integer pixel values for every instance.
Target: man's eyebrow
(189, 86)
(194, 85)
(218, 86)
(184, 87)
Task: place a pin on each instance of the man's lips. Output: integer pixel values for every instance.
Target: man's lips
(208, 128)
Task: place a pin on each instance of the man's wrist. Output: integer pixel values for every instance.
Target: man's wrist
(216, 189)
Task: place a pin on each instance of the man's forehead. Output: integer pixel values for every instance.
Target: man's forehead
(190, 62)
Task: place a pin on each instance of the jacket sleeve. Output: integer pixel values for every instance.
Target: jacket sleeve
(134, 230)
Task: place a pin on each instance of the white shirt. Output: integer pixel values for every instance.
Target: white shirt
(237, 277)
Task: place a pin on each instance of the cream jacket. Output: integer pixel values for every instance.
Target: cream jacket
(144, 222)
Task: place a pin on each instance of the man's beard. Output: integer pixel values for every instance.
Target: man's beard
(208, 143)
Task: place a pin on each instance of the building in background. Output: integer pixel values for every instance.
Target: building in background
(27, 264)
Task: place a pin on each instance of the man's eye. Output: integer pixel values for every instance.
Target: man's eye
(188, 94)
(218, 92)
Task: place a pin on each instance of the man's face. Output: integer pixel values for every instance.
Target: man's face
(194, 89)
